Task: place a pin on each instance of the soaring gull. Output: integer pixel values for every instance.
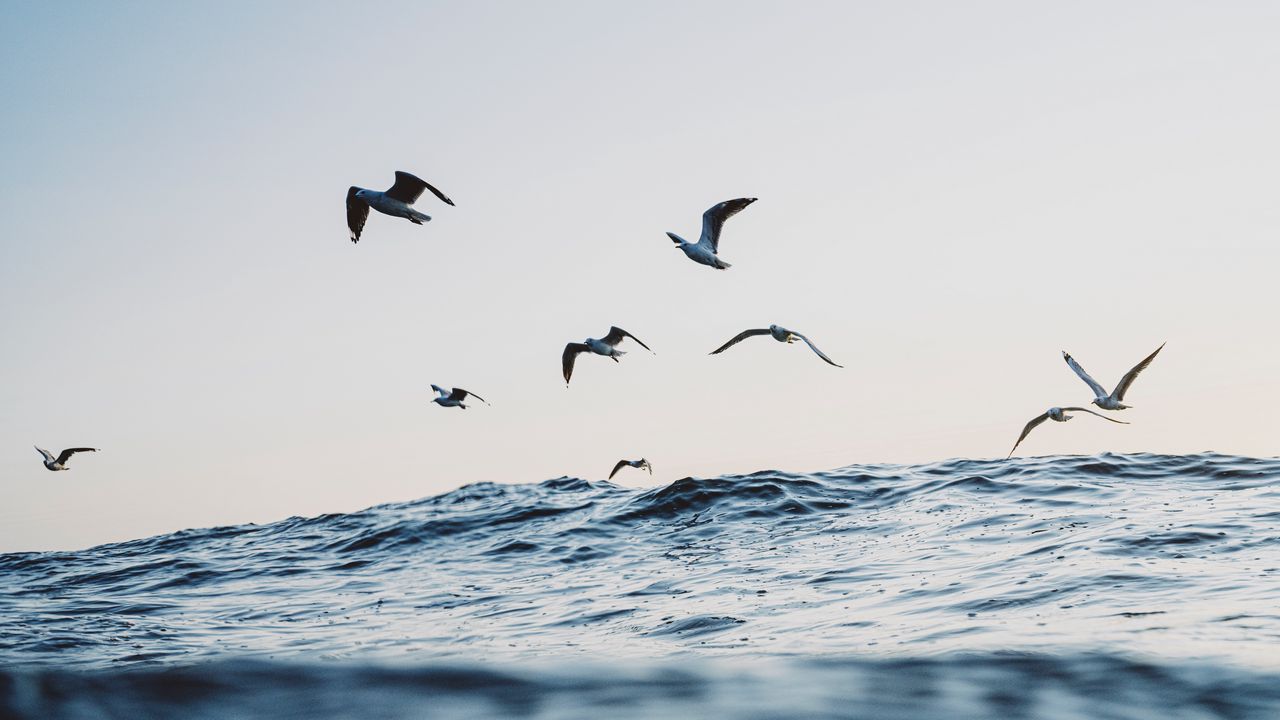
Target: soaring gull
(396, 202)
(1112, 401)
(1057, 415)
(704, 251)
(454, 397)
(780, 334)
(606, 346)
(641, 463)
(60, 462)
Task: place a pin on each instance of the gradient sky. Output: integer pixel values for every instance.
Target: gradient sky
(950, 195)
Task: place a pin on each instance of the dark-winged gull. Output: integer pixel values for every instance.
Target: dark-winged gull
(1112, 400)
(60, 462)
(606, 346)
(641, 464)
(780, 334)
(704, 251)
(454, 397)
(1056, 414)
(397, 202)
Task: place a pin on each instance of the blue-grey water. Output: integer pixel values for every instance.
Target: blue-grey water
(1113, 586)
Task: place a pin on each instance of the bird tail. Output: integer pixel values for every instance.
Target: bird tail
(418, 218)
(617, 354)
(722, 265)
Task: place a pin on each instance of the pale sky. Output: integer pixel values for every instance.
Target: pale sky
(950, 195)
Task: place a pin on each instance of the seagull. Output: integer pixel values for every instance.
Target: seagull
(454, 398)
(704, 251)
(1055, 414)
(60, 462)
(604, 346)
(396, 202)
(780, 334)
(1112, 401)
(641, 463)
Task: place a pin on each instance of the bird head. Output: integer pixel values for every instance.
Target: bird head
(362, 194)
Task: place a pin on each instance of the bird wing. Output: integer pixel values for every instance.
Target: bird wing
(743, 336)
(440, 391)
(1098, 390)
(1132, 375)
(570, 354)
(357, 213)
(713, 219)
(1104, 417)
(816, 350)
(48, 457)
(616, 334)
(1027, 431)
(408, 188)
(621, 464)
(460, 394)
(66, 454)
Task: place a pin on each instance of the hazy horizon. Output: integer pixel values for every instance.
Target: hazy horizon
(948, 198)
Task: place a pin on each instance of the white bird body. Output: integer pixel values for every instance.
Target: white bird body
(397, 202)
(779, 333)
(700, 253)
(606, 346)
(704, 252)
(600, 347)
(1110, 400)
(1055, 414)
(60, 462)
(640, 464)
(454, 397)
(387, 205)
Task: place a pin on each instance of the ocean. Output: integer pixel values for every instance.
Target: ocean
(1108, 586)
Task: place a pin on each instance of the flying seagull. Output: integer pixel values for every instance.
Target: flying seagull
(641, 463)
(704, 251)
(396, 202)
(606, 346)
(454, 397)
(60, 462)
(1114, 400)
(1055, 414)
(780, 334)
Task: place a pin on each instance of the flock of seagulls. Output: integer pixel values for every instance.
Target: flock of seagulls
(1103, 399)
(398, 201)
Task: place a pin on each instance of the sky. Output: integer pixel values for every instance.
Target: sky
(950, 194)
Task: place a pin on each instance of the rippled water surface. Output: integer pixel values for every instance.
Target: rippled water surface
(1064, 587)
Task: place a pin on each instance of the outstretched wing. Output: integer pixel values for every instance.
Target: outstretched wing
(459, 394)
(357, 213)
(1132, 375)
(1098, 391)
(48, 457)
(570, 354)
(616, 334)
(713, 219)
(66, 454)
(1104, 417)
(408, 189)
(816, 350)
(743, 336)
(1027, 431)
(439, 390)
(621, 464)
